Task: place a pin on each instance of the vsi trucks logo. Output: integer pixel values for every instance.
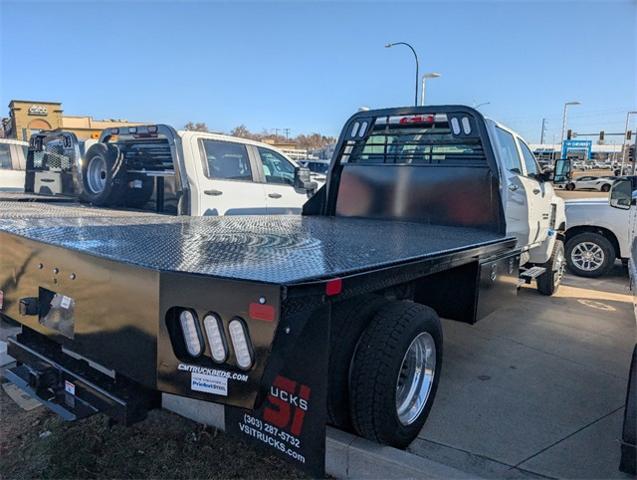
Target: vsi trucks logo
(289, 401)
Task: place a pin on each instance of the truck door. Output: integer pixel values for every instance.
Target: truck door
(518, 190)
(542, 192)
(227, 183)
(278, 173)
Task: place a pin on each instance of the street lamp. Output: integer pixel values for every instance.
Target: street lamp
(424, 84)
(626, 145)
(566, 105)
(389, 45)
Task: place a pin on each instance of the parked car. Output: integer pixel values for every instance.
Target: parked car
(587, 182)
(12, 164)
(628, 462)
(601, 230)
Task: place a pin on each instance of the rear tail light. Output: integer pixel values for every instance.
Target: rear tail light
(192, 338)
(214, 332)
(241, 343)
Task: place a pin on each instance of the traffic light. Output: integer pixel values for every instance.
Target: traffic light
(629, 135)
(569, 134)
(601, 136)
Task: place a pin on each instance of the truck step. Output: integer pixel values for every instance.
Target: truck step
(531, 274)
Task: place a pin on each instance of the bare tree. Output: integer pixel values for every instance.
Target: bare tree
(196, 127)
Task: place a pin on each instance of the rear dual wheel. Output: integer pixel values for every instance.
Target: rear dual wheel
(394, 373)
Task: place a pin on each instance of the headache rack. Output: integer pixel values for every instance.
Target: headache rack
(415, 139)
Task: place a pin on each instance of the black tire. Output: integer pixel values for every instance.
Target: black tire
(549, 282)
(602, 242)
(139, 197)
(605, 188)
(377, 366)
(349, 319)
(570, 186)
(114, 175)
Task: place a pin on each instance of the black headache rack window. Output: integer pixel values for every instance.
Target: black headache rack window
(415, 139)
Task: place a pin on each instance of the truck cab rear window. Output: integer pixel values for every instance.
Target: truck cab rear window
(415, 144)
(227, 161)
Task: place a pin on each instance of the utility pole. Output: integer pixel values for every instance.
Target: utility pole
(287, 133)
(543, 130)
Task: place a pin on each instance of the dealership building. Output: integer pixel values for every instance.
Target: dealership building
(29, 116)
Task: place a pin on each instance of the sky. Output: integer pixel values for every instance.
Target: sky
(308, 66)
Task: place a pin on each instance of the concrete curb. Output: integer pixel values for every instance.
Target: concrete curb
(346, 456)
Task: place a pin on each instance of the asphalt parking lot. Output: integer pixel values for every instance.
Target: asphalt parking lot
(538, 388)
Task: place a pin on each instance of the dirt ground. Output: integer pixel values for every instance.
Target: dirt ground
(38, 444)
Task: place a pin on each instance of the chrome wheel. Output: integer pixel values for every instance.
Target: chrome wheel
(96, 174)
(560, 267)
(415, 378)
(588, 256)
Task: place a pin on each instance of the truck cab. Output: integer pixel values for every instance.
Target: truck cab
(533, 211)
(12, 164)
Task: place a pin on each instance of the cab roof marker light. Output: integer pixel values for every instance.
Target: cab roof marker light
(241, 343)
(216, 339)
(194, 346)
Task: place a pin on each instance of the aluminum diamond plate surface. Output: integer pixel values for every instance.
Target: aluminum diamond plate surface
(272, 249)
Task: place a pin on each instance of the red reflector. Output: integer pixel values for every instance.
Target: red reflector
(334, 287)
(417, 119)
(262, 312)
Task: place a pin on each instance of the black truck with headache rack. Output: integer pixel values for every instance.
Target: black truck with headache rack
(289, 322)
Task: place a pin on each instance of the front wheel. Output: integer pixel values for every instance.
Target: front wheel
(570, 186)
(605, 188)
(589, 254)
(549, 282)
(395, 373)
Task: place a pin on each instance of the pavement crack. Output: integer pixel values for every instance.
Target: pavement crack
(517, 465)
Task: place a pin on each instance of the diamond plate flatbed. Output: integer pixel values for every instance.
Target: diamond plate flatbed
(272, 249)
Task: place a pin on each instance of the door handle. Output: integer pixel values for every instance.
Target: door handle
(513, 187)
(274, 195)
(214, 193)
(536, 191)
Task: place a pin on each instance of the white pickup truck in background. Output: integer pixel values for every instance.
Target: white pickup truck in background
(13, 155)
(158, 168)
(600, 230)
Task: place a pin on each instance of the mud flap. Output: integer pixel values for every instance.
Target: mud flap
(290, 420)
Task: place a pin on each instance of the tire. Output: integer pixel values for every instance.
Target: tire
(377, 373)
(549, 282)
(605, 188)
(103, 176)
(570, 186)
(349, 319)
(593, 242)
(139, 197)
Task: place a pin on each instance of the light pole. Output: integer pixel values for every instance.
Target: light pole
(626, 144)
(566, 105)
(424, 84)
(389, 45)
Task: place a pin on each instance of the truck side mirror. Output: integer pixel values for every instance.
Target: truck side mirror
(562, 170)
(302, 179)
(621, 194)
(546, 176)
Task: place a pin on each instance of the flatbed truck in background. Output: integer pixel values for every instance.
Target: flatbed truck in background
(289, 322)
